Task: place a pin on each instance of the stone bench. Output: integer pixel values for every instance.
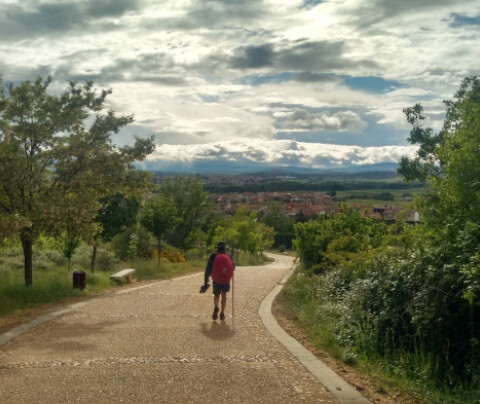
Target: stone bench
(124, 274)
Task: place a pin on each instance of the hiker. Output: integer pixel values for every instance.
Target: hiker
(220, 267)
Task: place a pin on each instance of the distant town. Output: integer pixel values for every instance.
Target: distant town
(305, 196)
(303, 205)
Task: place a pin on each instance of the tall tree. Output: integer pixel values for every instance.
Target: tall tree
(191, 204)
(449, 160)
(276, 218)
(117, 212)
(54, 168)
(243, 232)
(158, 216)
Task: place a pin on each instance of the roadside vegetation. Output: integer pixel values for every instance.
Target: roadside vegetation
(398, 301)
(71, 200)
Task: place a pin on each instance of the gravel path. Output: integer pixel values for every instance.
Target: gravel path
(158, 344)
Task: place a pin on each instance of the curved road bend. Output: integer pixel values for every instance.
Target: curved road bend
(158, 344)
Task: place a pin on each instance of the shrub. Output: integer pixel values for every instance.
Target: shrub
(46, 259)
(196, 254)
(145, 243)
(172, 254)
(105, 259)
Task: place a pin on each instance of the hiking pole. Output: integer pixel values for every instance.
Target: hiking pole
(233, 299)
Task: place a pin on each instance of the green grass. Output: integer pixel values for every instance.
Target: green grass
(56, 284)
(48, 286)
(356, 196)
(149, 269)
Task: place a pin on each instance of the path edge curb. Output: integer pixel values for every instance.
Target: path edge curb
(338, 387)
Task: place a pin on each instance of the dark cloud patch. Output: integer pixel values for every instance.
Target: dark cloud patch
(375, 11)
(111, 8)
(207, 12)
(18, 74)
(289, 158)
(341, 121)
(253, 57)
(309, 77)
(317, 56)
(298, 56)
(215, 15)
(33, 20)
(256, 154)
(215, 151)
(156, 68)
(46, 18)
(166, 80)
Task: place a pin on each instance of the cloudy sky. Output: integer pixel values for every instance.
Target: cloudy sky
(226, 84)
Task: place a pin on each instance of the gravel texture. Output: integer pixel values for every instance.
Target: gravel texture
(159, 344)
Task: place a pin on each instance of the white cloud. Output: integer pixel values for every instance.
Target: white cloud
(206, 72)
(279, 153)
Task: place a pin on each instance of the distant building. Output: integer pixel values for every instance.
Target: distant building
(413, 218)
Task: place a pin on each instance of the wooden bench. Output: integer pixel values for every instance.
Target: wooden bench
(124, 274)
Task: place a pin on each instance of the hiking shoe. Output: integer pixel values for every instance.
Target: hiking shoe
(215, 313)
(222, 316)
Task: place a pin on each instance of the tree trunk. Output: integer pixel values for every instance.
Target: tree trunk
(27, 244)
(159, 250)
(94, 257)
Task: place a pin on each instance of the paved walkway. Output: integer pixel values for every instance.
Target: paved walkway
(158, 344)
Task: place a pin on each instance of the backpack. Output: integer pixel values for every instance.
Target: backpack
(222, 269)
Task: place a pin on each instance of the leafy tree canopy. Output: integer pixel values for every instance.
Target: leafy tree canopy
(55, 165)
(450, 159)
(191, 204)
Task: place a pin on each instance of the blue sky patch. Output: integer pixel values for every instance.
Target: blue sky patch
(461, 20)
(259, 79)
(209, 98)
(371, 84)
(311, 3)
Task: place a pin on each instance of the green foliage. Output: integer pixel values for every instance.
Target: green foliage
(54, 169)
(105, 258)
(54, 282)
(408, 299)
(148, 269)
(318, 184)
(282, 225)
(192, 207)
(243, 232)
(449, 160)
(50, 286)
(337, 239)
(135, 241)
(116, 213)
(158, 215)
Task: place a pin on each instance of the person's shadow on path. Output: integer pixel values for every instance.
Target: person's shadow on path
(217, 331)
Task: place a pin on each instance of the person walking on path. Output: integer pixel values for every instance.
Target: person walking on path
(220, 267)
